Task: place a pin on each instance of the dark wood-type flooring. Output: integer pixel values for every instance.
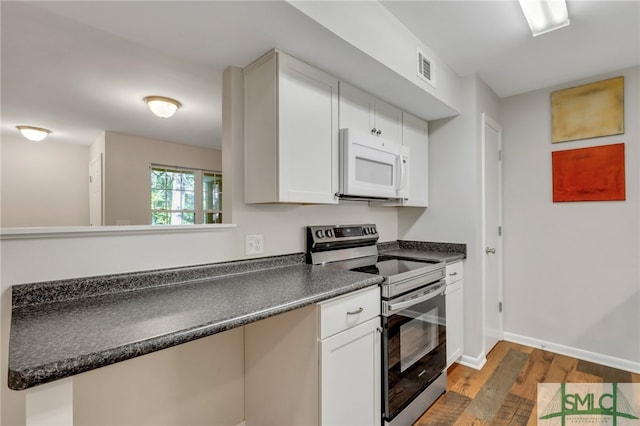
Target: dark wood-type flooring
(504, 391)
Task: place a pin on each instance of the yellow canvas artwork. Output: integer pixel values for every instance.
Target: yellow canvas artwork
(588, 111)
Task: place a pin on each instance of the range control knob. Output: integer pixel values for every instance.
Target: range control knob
(329, 233)
(320, 233)
(374, 230)
(365, 231)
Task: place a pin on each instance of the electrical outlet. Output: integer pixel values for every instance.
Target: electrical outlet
(254, 244)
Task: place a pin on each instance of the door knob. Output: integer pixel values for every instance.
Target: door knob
(490, 250)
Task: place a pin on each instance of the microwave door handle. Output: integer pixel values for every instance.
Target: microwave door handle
(400, 173)
(402, 181)
(391, 307)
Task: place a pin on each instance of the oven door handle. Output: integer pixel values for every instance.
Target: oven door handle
(437, 291)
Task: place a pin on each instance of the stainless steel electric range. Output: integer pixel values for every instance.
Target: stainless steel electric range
(413, 316)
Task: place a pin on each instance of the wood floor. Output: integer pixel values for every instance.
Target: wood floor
(504, 391)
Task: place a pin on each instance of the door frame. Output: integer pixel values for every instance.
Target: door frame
(486, 120)
(94, 209)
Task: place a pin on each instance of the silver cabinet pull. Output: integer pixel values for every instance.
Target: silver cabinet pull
(373, 131)
(356, 312)
(490, 250)
(379, 132)
(453, 274)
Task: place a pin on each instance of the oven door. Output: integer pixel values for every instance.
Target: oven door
(413, 345)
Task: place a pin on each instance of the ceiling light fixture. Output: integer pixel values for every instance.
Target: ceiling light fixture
(161, 106)
(545, 15)
(35, 134)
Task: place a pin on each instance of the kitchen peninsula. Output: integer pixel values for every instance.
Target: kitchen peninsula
(65, 327)
(58, 331)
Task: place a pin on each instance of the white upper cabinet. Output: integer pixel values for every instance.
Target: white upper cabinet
(291, 132)
(415, 134)
(362, 111)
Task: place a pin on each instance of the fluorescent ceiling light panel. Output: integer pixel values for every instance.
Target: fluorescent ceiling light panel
(545, 15)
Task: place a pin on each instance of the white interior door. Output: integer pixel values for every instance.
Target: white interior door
(95, 192)
(492, 232)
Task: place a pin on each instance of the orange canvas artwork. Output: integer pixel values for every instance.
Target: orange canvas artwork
(588, 111)
(589, 174)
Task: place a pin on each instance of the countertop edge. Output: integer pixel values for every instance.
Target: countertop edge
(32, 294)
(28, 376)
(426, 251)
(22, 379)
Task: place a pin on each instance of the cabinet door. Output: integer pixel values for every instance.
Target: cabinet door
(350, 382)
(388, 121)
(415, 135)
(362, 111)
(455, 318)
(307, 132)
(356, 109)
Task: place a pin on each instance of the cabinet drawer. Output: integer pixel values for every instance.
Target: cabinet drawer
(454, 272)
(348, 311)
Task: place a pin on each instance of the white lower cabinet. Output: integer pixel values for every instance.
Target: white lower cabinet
(454, 305)
(318, 365)
(350, 377)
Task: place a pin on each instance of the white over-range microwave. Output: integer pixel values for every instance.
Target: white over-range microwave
(372, 168)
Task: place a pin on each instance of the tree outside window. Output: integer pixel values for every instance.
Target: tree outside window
(175, 200)
(212, 197)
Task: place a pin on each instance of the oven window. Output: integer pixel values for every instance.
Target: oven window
(375, 172)
(418, 336)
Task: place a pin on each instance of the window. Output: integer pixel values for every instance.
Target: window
(212, 197)
(176, 197)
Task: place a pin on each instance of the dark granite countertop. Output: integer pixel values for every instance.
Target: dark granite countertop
(442, 252)
(57, 332)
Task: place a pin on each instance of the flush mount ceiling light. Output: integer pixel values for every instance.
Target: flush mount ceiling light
(545, 15)
(35, 134)
(161, 106)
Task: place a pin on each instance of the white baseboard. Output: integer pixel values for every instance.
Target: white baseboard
(607, 360)
(241, 424)
(477, 362)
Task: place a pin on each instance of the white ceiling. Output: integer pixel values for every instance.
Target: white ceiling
(491, 38)
(82, 67)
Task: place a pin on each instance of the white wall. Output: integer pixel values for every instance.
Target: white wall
(47, 184)
(455, 210)
(374, 30)
(200, 382)
(44, 183)
(571, 269)
(127, 181)
(59, 258)
(281, 225)
(33, 260)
